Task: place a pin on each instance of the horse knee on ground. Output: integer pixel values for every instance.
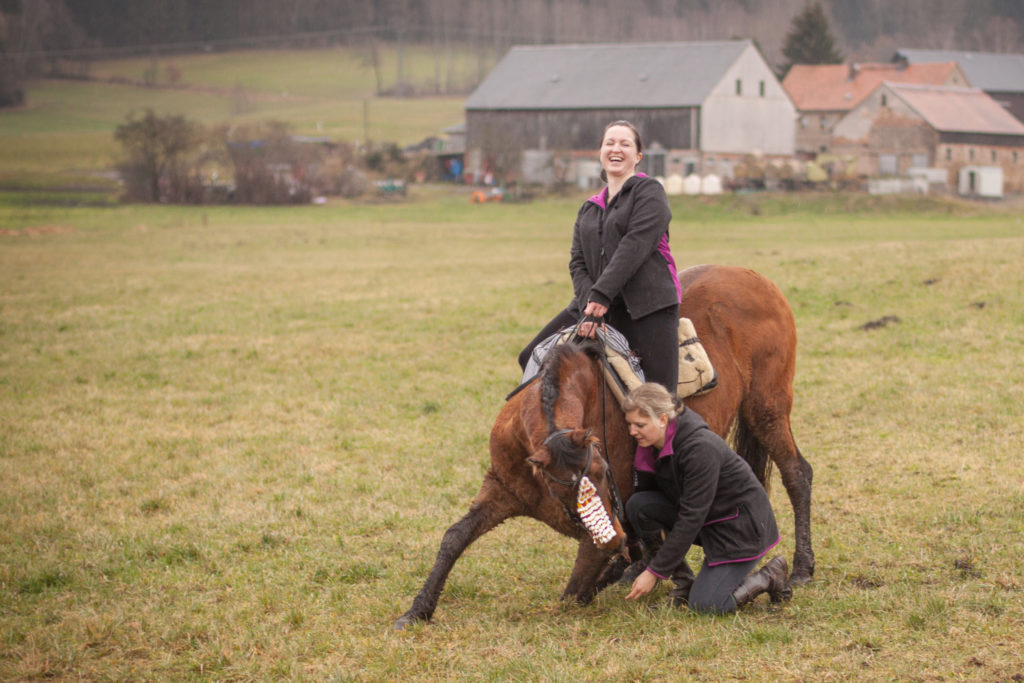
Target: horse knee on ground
(591, 562)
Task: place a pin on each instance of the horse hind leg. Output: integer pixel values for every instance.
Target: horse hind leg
(764, 438)
(489, 510)
(797, 480)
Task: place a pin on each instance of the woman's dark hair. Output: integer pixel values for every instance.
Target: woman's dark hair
(636, 138)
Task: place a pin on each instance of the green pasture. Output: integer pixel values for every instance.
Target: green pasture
(231, 440)
(64, 134)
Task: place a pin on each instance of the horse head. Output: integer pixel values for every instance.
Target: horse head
(566, 454)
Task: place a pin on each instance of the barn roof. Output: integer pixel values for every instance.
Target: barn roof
(986, 70)
(638, 75)
(841, 87)
(958, 110)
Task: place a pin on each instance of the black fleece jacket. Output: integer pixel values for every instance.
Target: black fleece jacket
(615, 250)
(722, 506)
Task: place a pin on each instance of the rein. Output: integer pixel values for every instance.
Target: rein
(620, 509)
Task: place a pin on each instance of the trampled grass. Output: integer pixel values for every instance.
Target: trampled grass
(231, 440)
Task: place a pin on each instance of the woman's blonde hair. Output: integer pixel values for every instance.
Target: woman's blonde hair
(652, 399)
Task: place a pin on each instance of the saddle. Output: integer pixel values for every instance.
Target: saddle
(696, 374)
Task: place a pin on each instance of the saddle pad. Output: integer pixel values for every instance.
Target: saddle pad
(615, 343)
(696, 374)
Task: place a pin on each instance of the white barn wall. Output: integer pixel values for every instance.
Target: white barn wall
(740, 124)
(856, 125)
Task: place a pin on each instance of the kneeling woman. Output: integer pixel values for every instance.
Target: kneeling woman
(693, 488)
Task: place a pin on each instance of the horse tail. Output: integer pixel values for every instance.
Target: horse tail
(752, 451)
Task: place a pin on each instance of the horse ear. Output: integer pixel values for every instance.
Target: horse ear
(581, 438)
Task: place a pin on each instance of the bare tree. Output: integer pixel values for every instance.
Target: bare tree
(35, 38)
(999, 35)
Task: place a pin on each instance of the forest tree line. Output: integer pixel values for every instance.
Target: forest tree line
(860, 25)
(39, 37)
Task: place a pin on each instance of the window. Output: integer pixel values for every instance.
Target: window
(970, 154)
(993, 156)
(654, 164)
(885, 100)
(949, 154)
(739, 86)
(887, 164)
(761, 88)
(1015, 156)
(824, 122)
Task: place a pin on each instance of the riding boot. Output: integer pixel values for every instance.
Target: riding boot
(682, 578)
(773, 578)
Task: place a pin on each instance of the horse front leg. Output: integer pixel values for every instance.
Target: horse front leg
(490, 508)
(583, 582)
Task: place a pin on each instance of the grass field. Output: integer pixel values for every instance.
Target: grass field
(231, 439)
(64, 134)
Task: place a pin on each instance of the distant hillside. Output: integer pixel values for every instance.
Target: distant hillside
(866, 29)
(66, 126)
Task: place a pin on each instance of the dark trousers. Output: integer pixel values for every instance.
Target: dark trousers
(654, 338)
(651, 513)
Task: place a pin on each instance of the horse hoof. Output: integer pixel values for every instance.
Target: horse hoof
(406, 620)
(800, 579)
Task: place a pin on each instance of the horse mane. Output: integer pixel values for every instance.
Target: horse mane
(564, 449)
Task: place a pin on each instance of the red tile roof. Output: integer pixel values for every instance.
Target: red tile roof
(958, 110)
(829, 87)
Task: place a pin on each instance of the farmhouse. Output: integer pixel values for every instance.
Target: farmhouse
(825, 93)
(901, 126)
(999, 75)
(700, 106)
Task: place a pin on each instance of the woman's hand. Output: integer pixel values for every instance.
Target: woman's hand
(596, 310)
(643, 585)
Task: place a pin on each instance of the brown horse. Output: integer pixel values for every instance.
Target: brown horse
(566, 428)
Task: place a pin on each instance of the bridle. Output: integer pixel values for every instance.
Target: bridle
(573, 483)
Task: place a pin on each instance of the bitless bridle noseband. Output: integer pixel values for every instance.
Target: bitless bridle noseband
(573, 482)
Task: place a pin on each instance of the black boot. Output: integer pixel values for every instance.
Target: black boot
(682, 577)
(773, 578)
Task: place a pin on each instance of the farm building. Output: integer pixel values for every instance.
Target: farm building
(999, 75)
(825, 93)
(901, 126)
(700, 107)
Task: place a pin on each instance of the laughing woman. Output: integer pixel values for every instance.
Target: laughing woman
(692, 488)
(621, 266)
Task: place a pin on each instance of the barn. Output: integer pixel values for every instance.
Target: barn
(902, 126)
(700, 106)
(1001, 76)
(825, 93)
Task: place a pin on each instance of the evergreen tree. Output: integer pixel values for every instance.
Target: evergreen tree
(809, 40)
